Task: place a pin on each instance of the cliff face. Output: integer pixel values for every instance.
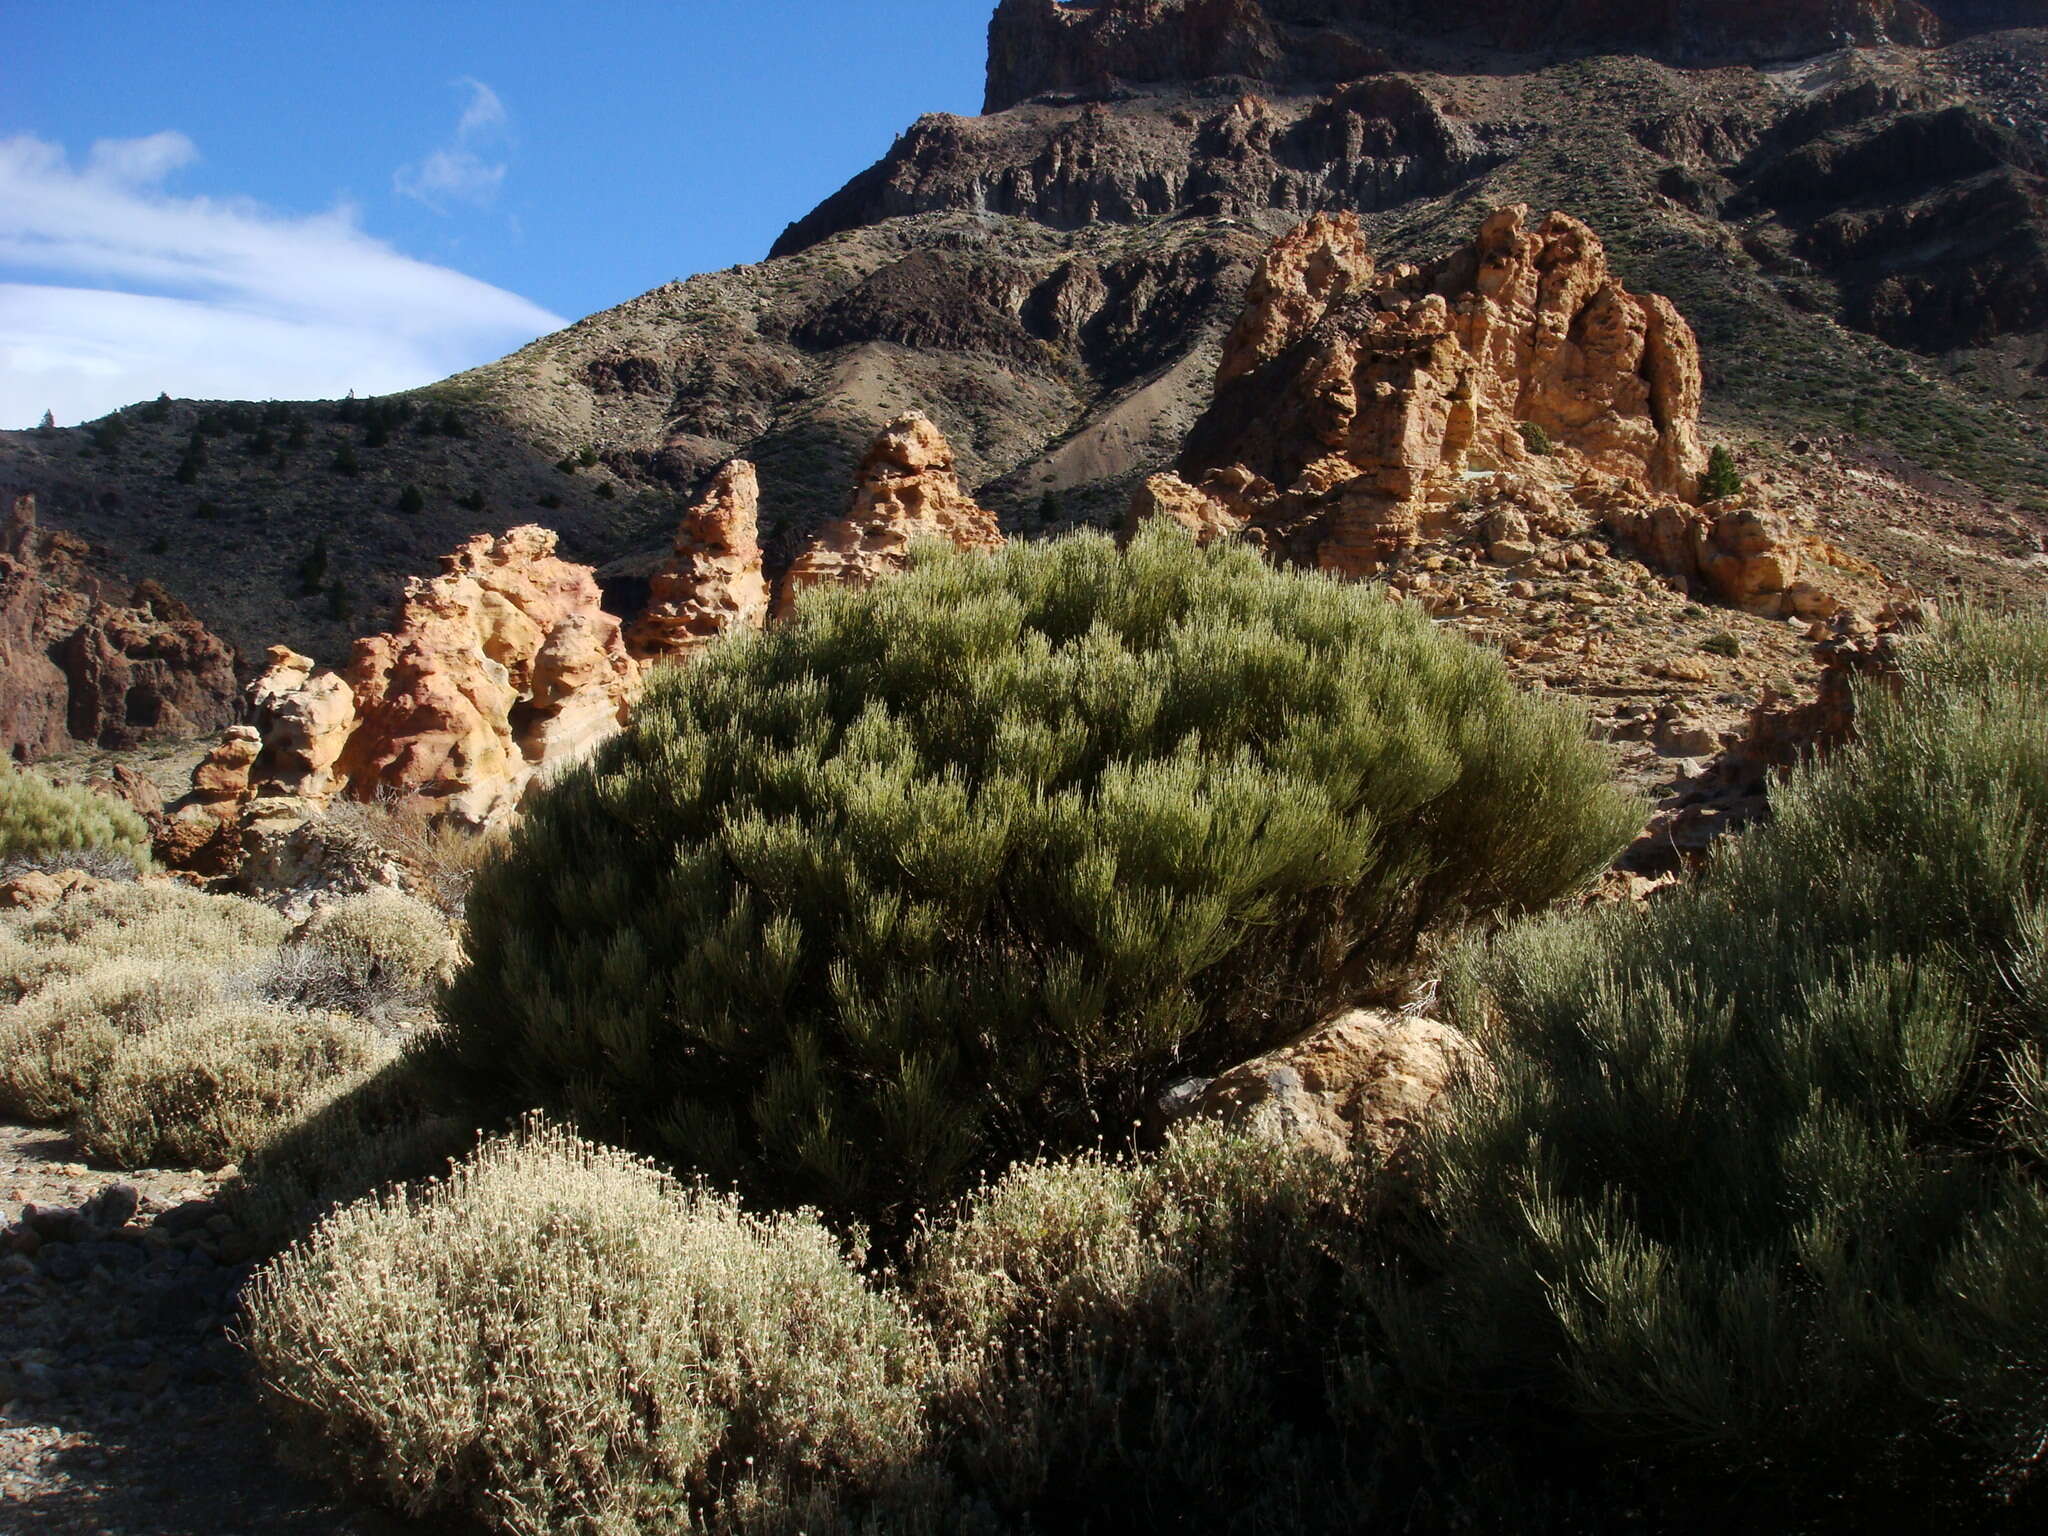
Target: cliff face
(1860, 239)
(1368, 144)
(1042, 46)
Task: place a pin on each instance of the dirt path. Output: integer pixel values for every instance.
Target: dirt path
(124, 1408)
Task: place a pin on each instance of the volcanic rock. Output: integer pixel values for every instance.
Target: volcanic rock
(1344, 435)
(907, 490)
(1308, 272)
(1360, 1084)
(502, 668)
(201, 831)
(1362, 144)
(712, 581)
(1038, 47)
(87, 658)
(1172, 498)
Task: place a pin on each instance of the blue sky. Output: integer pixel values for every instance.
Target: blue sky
(226, 198)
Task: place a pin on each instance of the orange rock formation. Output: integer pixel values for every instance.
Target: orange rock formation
(502, 668)
(712, 583)
(907, 489)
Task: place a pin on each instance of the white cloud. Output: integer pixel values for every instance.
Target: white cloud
(120, 290)
(468, 169)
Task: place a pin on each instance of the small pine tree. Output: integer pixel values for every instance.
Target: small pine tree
(158, 409)
(48, 423)
(1722, 478)
(313, 568)
(452, 425)
(345, 460)
(194, 461)
(1536, 439)
(299, 435)
(471, 501)
(411, 502)
(340, 605)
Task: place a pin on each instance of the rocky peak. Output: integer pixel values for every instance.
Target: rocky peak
(712, 581)
(907, 489)
(502, 668)
(1041, 47)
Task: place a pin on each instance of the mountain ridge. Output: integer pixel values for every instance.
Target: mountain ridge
(1052, 283)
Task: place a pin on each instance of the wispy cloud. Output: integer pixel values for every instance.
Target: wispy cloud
(470, 167)
(115, 289)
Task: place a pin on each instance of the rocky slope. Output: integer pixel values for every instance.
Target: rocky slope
(1858, 237)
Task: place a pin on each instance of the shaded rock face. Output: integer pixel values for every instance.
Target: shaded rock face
(1038, 47)
(1353, 406)
(201, 831)
(1931, 216)
(503, 668)
(86, 658)
(1364, 144)
(908, 489)
(711, 583)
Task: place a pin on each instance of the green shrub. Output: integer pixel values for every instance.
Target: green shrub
(1722, 478)
(40, 820)
(557, 1338)
(379, 954)
(1148, 1345)
(1536, 439)
(977, 860)
(1755, 1197)
(159, 924)
(1722, 644)
(213, 1086)
(136, 1024)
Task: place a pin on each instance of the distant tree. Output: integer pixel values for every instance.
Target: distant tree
(263, 444)
(376, 435)
(607, 491)
(158, 409)
(411, 502)
(339, 603)
(1536, 439)
(299, 434)
(345, 460)
(1722, 477)
(206, 511)
(48, 423)
(313, 568)
(472, 500)
(453, 425)
(194, 460)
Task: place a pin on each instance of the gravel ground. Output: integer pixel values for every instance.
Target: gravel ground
(124, 1408)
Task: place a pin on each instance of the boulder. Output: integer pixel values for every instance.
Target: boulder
(1172, 498)
(711, 583)
(907, 490)
(1359, 1084)
(201, 831)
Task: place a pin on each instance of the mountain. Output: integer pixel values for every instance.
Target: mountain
(1859, 235)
